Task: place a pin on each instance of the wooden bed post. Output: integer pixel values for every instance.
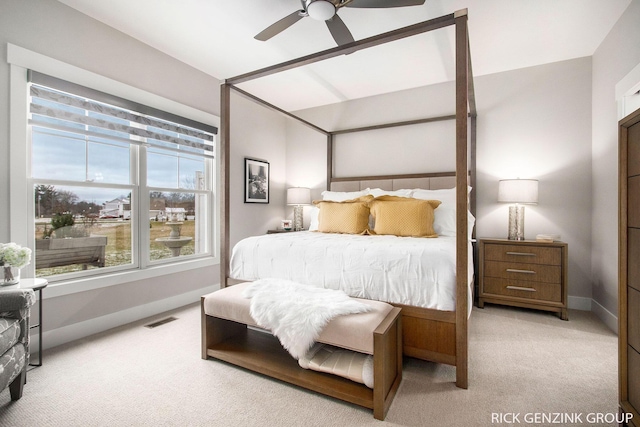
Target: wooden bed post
(225, 154)
(329, 160)
(433, 335)
(462, 102)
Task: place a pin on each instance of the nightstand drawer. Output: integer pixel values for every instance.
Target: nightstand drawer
(523, 254)
(522, 271)
(523, 289)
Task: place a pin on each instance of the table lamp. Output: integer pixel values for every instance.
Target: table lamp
(298, 196)
(518, 191)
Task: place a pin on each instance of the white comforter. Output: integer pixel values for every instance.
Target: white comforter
(413, 271)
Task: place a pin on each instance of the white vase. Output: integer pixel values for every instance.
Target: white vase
(9, 275)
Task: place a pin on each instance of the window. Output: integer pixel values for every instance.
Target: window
(114, 185)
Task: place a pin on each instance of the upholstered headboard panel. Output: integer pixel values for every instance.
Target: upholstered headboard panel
(427, 183)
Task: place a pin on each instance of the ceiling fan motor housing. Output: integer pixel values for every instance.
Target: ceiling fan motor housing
(320, 10)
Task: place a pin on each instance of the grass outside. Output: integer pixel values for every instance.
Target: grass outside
(118, 249)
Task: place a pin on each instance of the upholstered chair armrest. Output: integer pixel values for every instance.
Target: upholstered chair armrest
(15, 303)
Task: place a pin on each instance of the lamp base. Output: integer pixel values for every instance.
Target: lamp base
(516, 222)
(297, 218)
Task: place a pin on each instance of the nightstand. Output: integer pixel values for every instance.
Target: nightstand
(523, 273)
(280, 230)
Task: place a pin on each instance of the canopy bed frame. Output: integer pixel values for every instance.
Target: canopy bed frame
(429, 334)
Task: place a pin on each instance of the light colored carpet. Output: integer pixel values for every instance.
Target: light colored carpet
(520, 361)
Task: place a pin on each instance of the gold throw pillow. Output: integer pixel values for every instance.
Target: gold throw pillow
(348, 217)
(402, 216)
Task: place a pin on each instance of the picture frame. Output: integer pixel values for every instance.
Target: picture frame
(256, 181)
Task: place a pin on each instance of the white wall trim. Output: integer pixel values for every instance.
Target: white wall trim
(629, 83)
(21, 60)
(579, 303)
(83, 284)
(607, 317)
(30, 60)
(84, 329)
(627, 96)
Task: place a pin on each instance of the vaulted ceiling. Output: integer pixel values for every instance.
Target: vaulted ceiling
(217, 37)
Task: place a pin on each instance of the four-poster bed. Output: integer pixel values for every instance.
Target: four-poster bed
(429, 334)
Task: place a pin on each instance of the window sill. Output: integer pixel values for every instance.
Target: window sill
(67, 287)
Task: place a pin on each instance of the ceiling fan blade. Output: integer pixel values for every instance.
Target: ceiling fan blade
(339, 30)
(279, 26)
(383, 3)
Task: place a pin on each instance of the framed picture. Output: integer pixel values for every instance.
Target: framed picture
(256, 181)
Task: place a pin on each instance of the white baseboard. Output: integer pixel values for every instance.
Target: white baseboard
(607, 317)
(84, 329)
(579, 303)
(588, 304)
(80, 330)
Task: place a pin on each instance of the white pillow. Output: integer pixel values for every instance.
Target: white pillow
(444, 222)
(341, 196)
(314, 221)
(377, 192)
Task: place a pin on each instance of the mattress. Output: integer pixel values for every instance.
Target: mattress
(403, 270)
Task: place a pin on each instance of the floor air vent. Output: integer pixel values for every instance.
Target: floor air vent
(160, 322)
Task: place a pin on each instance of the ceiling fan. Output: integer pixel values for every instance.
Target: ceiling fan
(326, 10)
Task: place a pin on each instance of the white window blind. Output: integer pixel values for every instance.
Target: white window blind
(64, 106)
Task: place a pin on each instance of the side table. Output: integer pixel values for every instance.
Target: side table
(36, 285)
(524, 273)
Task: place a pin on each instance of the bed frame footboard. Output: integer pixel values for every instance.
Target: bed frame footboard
(429, 334)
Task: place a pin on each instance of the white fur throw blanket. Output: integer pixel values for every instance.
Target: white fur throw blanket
(297, 313)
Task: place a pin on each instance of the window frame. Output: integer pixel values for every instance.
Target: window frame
(21, 205)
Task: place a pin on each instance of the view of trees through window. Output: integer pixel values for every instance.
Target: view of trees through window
(114, 187)
(102, 233)
(73, 234)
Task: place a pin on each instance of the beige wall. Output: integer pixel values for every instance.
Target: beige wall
(535, 122)
(59, 32)
(618, 54)
(257, 133)
(557, 123)
(532, 123)
(306, 163)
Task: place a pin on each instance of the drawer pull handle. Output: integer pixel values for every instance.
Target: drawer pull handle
(521, 254)
(520, 288)
(513, 270)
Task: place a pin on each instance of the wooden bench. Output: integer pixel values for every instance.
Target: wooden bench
(79, 250)
(225, 336)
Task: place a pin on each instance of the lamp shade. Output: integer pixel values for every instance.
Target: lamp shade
(518, 191)
(298, 196)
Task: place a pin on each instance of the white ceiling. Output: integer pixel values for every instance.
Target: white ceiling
(216, 36)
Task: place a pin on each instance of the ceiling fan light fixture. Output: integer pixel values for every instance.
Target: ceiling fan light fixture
(321, 10)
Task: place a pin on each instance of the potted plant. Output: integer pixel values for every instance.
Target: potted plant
(12, 258)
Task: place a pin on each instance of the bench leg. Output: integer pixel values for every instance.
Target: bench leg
(387, 363)
(216, 330)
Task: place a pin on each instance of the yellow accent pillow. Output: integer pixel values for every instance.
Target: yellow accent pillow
(402, 216)
(348, 217)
